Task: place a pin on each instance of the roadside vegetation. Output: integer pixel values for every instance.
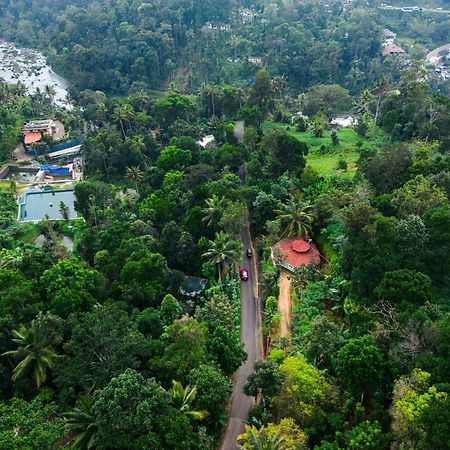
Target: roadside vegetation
(130, 339)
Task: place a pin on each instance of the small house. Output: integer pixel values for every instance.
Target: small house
(343, 122)
(392, 49)
(290, 254)
(255, 59)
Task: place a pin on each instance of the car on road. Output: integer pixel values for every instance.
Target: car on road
(243, 273)
(249, 253)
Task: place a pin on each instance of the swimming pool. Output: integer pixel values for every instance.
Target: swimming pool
(35, 205)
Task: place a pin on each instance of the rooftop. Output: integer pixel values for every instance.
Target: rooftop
(296, 252)
(32, 136)
(38, 124)
(392, 48)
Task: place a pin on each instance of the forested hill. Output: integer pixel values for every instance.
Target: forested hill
(108, 44)
(118, 46)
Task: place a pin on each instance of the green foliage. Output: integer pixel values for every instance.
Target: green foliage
(29, 425)
(113, 344)
(360, 365)
(135, 412)
(304, 392)
(406, 288)
(71, 286)
(36, 348)
(266, 379)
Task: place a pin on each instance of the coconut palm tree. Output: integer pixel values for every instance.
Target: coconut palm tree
(49, 92)
(254, 439)
(138, 147)
(296, 216)
(213, 210)
(381, 89)
(135, 175)
(224, 252)
(35, 349)
(81, 423)
(279, 84)
(121, 114)
(235, 42)
(183, 398)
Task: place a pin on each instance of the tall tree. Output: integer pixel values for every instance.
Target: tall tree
(296, 216)
(224, 252)
(36, 348)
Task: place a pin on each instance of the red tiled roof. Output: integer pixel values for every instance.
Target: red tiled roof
(392, 48)
(32, 136)
(296, 252)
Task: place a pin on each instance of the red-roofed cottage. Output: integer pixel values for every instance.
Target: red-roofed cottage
(293, 253)
(392, 49)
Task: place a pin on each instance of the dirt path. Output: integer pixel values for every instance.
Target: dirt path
(285, 304)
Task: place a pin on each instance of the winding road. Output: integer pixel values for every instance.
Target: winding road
(251, 338)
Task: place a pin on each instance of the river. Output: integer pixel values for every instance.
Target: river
(30, 68)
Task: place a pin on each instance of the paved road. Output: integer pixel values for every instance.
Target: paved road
(251, 337)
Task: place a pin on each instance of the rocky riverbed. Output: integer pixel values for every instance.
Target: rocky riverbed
(30, 68)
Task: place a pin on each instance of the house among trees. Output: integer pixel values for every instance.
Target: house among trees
(204, 141)
(389, 36)
(293, 253)
(255, 59)
(217, 26)
(343, 122)
(392, 49)
(34, 130)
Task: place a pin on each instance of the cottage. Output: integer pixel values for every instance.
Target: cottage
(343, 122)
(392, 49)
(293, 253)
(255, 59)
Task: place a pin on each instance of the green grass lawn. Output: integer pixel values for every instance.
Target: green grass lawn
(326, 162)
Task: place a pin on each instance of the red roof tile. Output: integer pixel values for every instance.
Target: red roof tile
(33, 136)
(392, 48)
(296, 252)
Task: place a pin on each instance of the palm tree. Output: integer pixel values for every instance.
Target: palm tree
(213, 210)
(302, 100)
(279, 84)
(50, 92)
(211, 90)
(81, 423)
(224, 252)
(296, 215)
(183, 398)
(235, 41)
(254, 439)
(135, 175)
(381, 89)
(35, 349)
(121, 114)
(138, 147)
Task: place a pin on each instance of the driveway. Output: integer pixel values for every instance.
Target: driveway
(251, 338)
(285, 304)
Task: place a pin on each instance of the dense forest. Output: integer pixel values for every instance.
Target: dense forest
(107, 345)
(123, 46)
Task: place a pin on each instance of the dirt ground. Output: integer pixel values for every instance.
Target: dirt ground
(285, 305)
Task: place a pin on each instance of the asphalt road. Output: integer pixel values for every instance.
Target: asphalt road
(251, 337)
